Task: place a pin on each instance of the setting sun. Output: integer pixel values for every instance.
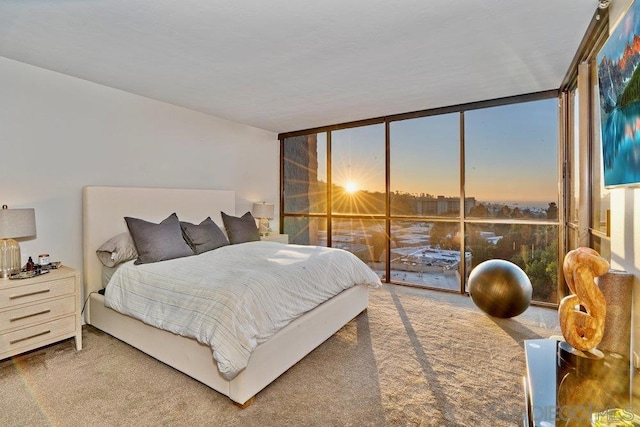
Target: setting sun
(351, 187)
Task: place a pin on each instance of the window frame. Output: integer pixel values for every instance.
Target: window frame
(387, 217)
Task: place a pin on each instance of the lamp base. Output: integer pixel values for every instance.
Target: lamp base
(263, 227)
(10, 262)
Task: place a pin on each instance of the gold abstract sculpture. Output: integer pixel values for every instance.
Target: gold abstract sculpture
(583, 330)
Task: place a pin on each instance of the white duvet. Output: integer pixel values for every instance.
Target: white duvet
(235, 297)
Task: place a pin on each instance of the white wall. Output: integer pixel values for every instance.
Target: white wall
(625, 218)
(60, 133)
(625, 246)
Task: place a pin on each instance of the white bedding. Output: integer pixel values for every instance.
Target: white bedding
(237, 296)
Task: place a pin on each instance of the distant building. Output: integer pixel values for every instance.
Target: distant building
(442, 205)
(490, 237)
(427, 259)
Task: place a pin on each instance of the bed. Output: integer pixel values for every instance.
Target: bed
(103, 211)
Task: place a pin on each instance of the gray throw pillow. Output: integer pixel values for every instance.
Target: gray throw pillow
(203, 237)
(158, 242)
(240, 229)
(120, 248)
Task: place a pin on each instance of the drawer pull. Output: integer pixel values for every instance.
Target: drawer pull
(44, 291)
(29, 337)
(14, 319)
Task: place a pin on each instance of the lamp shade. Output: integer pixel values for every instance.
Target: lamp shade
(16, 223)
(262, 210)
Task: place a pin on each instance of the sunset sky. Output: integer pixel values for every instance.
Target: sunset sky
(511, 154)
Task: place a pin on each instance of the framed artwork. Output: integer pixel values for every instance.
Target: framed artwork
(619, 96)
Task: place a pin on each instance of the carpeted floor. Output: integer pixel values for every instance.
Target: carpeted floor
(416, 357)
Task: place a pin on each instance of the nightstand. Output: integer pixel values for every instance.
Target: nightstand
(39, 311)
(280, 238)
(559, 392)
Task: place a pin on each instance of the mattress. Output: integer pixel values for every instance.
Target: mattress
(235, 297)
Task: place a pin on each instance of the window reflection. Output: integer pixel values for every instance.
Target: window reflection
(364, 238)
(305, 174)
(306, 230)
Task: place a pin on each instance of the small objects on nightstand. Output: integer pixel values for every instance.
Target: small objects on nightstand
(43, 259)
(32, 269)
(23, 275)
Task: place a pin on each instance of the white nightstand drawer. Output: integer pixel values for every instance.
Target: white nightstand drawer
(16, 295)
(13, 342)
(36, 313)
(39, 311)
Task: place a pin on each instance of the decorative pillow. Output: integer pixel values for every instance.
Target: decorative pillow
(242, 229)
(158, 242)
(120, 248)
(203, 237)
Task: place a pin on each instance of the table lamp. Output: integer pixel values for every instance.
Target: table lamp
(264, 212)
(14, 223)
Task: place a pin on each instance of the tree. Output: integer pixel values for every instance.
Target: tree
(479, 211)
(442, 235)
(542, 271)
(552, 211)
(504, 212)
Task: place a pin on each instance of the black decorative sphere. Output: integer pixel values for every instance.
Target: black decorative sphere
(500, 288)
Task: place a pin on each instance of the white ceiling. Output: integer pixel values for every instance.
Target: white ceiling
(286, 65)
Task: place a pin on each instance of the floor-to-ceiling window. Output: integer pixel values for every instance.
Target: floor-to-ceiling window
(424, 197)
(424, 158)
(511, 170)
(358, 196)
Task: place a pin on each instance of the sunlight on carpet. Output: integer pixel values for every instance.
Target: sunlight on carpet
(415, 357)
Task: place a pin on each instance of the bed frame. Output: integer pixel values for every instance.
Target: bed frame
(104, 209)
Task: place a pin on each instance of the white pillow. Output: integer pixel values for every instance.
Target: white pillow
(120, 248)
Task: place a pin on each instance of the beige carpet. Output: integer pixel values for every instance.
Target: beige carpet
(415, 357)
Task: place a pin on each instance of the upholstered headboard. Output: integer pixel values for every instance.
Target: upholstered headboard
(104, 209)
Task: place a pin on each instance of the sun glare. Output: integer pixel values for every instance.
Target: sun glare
(351, 187)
